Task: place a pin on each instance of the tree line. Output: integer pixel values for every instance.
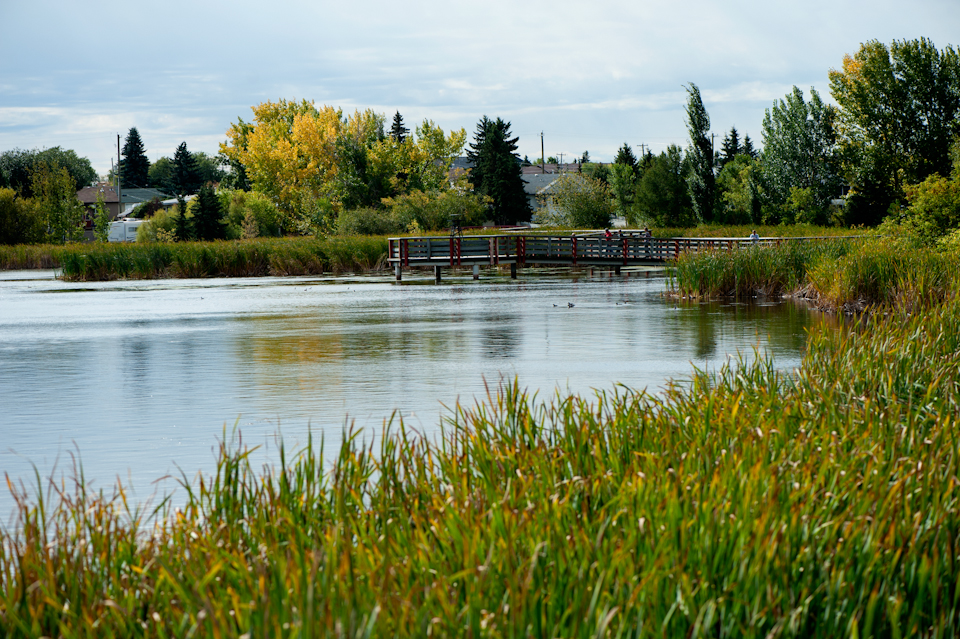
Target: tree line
(894, 130)
(889, 143)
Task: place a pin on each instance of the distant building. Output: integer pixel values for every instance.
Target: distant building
(88, 196)
(133, 197)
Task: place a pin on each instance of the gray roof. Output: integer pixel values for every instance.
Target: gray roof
(534, 183)
(136, 196)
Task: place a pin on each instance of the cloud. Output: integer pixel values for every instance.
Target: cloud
(589, 74)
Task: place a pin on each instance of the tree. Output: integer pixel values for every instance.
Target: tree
(398, 132)
(17, 167)
(899, 112)
(186, 173)
(496, 171)
(162, 174)
(731, 147)
(101, 220)
(626, 157)
(208, 215)
(208, 168)
(183, 231)
(623, 185)
(577, 201)
(585, 158)
(20, 221)
(56, 196)
(134, 166)
(800, 152)
(701, 179)
(663, 196)
(747, 148)
(738, 191)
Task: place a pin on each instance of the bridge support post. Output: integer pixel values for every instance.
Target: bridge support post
(616, 270)
(436, 272)
(476, 271)
(513, 271)
(398, 271)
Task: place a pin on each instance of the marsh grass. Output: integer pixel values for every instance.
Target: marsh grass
(242, 258)
(750, 503)
(838, 274)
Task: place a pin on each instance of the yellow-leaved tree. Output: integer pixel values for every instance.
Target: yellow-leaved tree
(313, 162)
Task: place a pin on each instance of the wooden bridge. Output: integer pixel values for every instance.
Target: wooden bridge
(578, 249)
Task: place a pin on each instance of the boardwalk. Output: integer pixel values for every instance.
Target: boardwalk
(578, 249)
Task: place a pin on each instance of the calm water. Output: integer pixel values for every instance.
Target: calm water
(142, 377)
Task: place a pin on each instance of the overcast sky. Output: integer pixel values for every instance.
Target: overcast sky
(589, 75)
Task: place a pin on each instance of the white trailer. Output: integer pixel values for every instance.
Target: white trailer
(124, 230)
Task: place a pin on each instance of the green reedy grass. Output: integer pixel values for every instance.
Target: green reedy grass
(242, 258)
(840, 274)
(750, 503)
(743, 231)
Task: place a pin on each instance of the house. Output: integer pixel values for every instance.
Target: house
(566, 167)
(88, 196)
(131, 198)
(538, 186)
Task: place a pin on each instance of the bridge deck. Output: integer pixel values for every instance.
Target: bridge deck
(623, 249)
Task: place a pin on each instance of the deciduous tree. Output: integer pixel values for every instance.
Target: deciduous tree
(56, 195)
(899, 112)
(800, 152)
(701, 179)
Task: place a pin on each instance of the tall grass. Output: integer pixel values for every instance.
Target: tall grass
(748, 504)
(755, 270)
(851, 274)
(243, 258)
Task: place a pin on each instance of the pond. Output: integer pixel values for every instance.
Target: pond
(141, 379)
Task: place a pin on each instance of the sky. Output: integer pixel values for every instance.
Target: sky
(590, 76)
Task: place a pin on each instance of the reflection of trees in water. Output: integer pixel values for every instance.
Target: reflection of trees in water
(501, 338)
(776, 325)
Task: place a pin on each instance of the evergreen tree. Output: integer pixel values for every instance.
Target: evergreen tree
(625, 156)
(186, 174)
(208, 215)
(134, 166)
(585, 158)
(731, 147)
(701, 180)
(496, 171)
(184, 230)
(398, 132)
(747, 147)
(662, 195)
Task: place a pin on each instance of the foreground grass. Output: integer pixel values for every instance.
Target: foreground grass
(243, 258)
(751, 504)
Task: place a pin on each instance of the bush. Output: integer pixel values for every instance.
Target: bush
(249, 214)
(367, 221)
(577, 202)
(162, 227)
(20, 219)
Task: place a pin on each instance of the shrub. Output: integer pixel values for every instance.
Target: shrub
(577, 201)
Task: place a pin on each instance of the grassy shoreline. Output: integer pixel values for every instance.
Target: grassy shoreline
(239, 258)
(838, 275)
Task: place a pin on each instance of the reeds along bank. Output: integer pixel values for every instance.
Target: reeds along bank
(246, 258)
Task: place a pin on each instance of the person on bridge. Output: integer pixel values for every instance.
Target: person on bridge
(754, 237)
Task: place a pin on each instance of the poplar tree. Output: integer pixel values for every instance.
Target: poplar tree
(701, 180)
(134, 166)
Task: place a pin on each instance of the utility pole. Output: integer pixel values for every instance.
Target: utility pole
(119, 199)
(543, 156)
(643, 151)
(560, 164)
